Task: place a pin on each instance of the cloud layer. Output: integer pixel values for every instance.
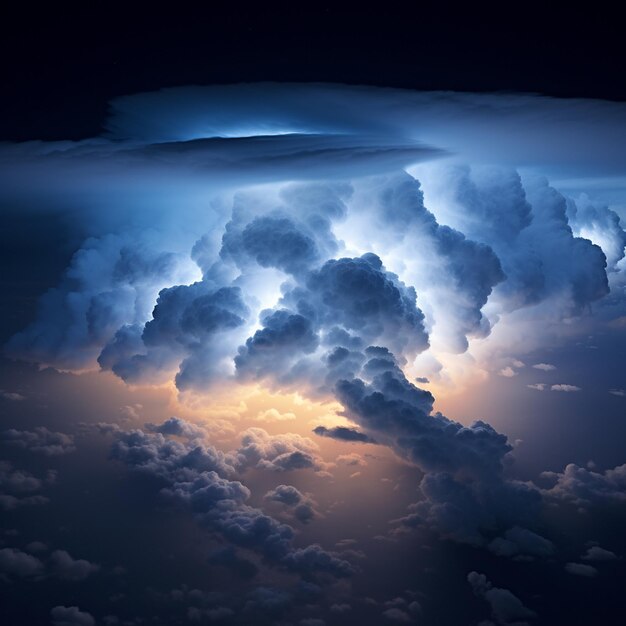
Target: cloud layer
(290, 247)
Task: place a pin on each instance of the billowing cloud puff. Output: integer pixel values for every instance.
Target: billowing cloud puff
(314, 558)
(600, 225)
(271, 349)
(361, 296)
(157, 454)
(584, 487)
(188, 329)
(453, 274)
(229, 557)
(286, 494)
(465, 493)
(290, 230)
(71, 616)
(40, 440)
(20, 488)
(521, 541)
(469, 512)
(301, 505)
(581, 569)
(17, 481)
(401, 611)
(194, 475)
(273, 241)
(190, 314)
(13, 396)
(346, 301)
(397, 411)
(111, 281)
(177, 427)
(526, 223)
(68, 568)
(506, 608)
(278, 453)
(14, 562)
(597, 553)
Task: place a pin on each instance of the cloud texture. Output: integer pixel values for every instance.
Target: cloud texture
(332, 245)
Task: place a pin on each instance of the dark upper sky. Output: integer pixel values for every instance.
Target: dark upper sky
(59, 67)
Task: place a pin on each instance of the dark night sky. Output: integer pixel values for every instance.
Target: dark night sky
(59, 67)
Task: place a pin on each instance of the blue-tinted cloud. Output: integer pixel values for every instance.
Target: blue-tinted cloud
(319, 240)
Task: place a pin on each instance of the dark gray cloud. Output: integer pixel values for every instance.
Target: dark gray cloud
(506, 608)
(342, 296)
(18, 481)
(585, 487)
(301, 505)
(14, 562)
(228, 557)
(278, 453)
(361, 296)
(67, 568)
(343, 433)
(402, 611)
(469, 512)
(40, 440)
(286, 494)
(284, 335)
(597, 553)
(521, 541)
(177, 427)
(464, 488)
(314, 558)
(156, 454)
(397, 411)
(71, 616)
(192, 475)
(185, 331)
(9, 502)
(581, 569)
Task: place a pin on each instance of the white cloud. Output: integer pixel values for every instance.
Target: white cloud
(565, 388)
(273, 415)
(538, 386)
(507, 372)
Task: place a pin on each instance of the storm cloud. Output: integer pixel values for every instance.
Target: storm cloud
(300, 255)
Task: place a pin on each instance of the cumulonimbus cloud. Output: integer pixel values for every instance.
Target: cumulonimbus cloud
(329, 249)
